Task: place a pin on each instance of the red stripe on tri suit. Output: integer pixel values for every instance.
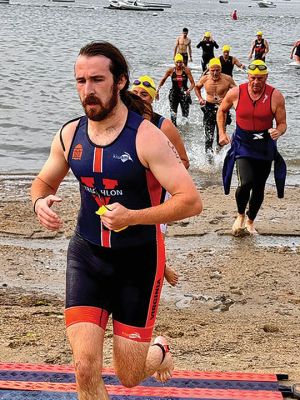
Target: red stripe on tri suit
(98, 155)
(105, 237)
(154, 188)
(95, 315)
(134, 333)
(158, 281)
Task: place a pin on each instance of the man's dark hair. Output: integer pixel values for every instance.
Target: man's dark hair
(185, 30)
(118, 67)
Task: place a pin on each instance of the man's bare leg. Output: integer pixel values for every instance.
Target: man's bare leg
(249, 225)
(171, 276)
(239, 225)
(86, 340)
(135, 361)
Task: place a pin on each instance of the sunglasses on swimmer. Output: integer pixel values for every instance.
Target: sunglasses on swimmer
(253, 67)
(144, 83)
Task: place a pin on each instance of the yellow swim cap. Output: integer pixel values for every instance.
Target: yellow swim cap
(147, 83)
(207, 34)
(259, 33)
(178, 57)
(214, 62)
(257, 67)
(226, 47)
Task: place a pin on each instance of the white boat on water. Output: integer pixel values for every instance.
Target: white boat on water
(132, 5)
(149, 4)
(266, 4)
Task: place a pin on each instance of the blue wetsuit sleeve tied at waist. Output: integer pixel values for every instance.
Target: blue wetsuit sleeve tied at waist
(241, 148)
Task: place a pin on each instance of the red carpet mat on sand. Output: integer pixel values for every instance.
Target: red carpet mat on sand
(57, 382)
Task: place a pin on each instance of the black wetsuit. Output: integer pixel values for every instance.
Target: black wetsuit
(227, 65)
(177, 95)
(185, 58)
(297, 53)
(210, 124)
(252, 176)
(259, 50)
(207, 47)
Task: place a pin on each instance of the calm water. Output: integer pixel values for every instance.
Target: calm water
(40, 41)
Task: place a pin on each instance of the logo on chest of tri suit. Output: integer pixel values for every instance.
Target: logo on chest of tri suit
(124, 157)
(77, 152)
(265, 98)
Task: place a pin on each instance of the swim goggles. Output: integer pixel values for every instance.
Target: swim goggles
(144, 83)
(253, 67)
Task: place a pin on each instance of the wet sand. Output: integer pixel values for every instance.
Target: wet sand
(236, 307)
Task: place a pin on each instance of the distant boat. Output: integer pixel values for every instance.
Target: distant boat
(163, 5)
(266, 4)
(133, 6)
(4, 1)
(223, 1)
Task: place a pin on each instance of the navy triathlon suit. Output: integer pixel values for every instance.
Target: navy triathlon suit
(177, 95)
(119, 273)
(227, 65)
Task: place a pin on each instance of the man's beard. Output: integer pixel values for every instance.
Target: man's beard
(105, 110)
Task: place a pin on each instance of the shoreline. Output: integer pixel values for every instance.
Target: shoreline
(236, 307)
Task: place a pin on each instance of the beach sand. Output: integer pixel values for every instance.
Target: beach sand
(236, 307)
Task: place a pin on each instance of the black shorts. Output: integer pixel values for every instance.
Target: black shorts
(123, 282)
(185, 58)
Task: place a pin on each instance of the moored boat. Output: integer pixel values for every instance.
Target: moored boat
(266, 4)
(131, 5)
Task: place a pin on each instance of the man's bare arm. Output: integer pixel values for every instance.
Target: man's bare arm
(190, 50)
(199, 85)
(225, 106)
(278, 107)
(267, 49)
(252, 49)
(176, 47)
(191, 79)
(238, 63)
(163, 80)
(231, 82)
(45, 185)
(173, 134)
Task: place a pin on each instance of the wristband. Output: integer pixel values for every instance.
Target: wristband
(39, 198)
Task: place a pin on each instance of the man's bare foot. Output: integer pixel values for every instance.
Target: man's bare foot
(238, 227)
(171, 276)
(249, 225)
(165, 370)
